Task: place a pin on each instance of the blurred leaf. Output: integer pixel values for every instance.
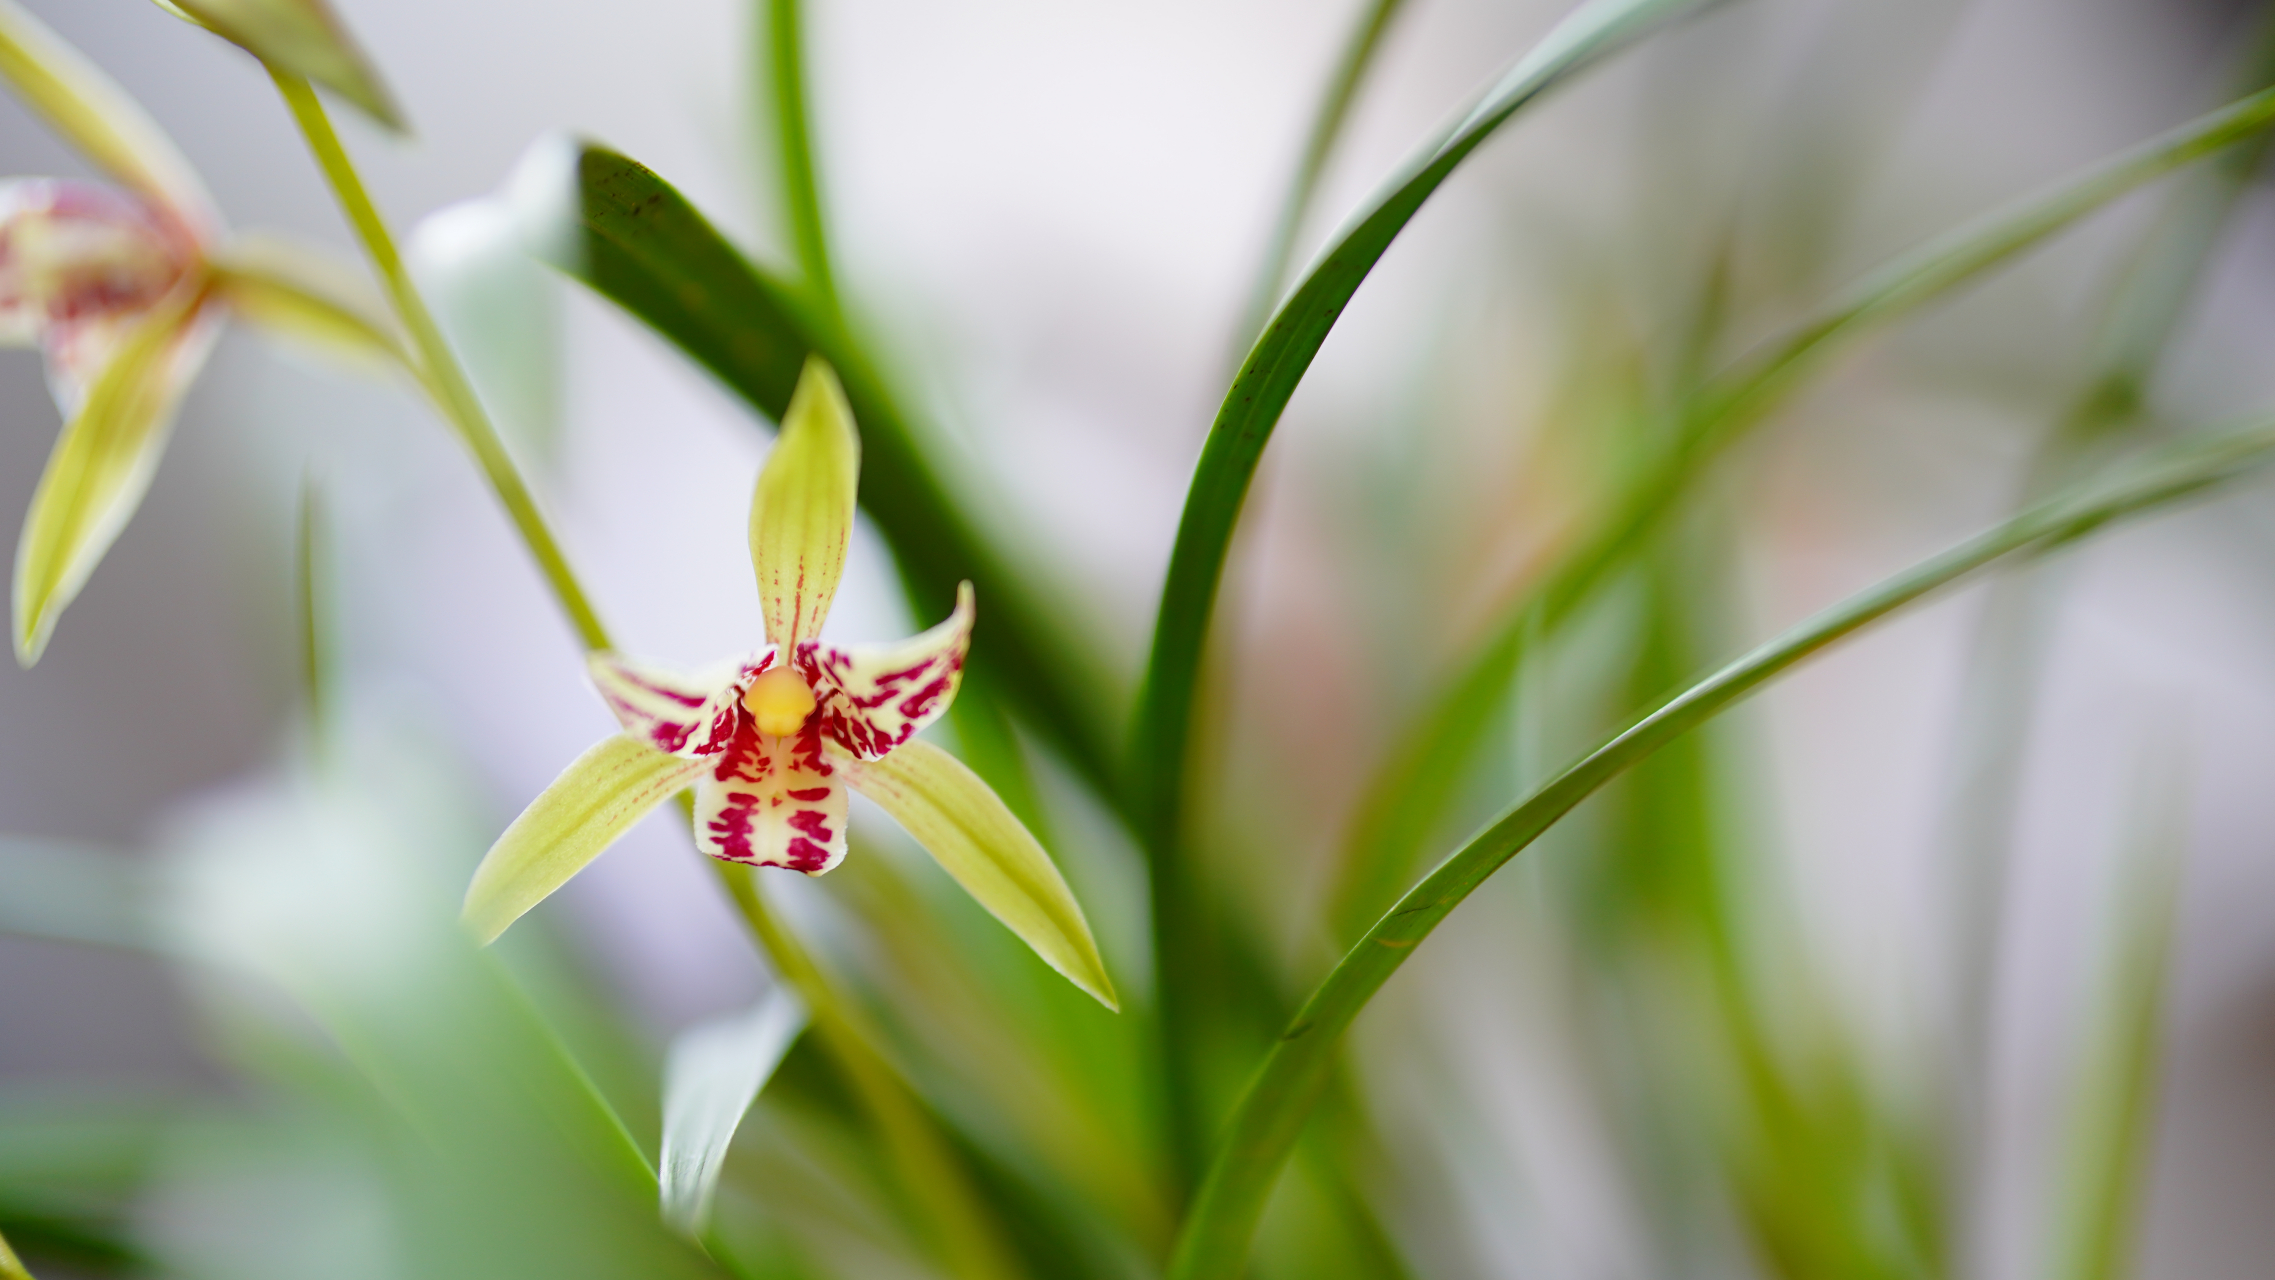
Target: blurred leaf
(2113, 1107)
(302, 38)
(1276, 365)
(615, 783)
(784, 74)
(11, 1267)
(1326, 127)
(331, 965)
(1256, 1141)
(714, 1072)
(306, 296)
(957, 819)
(1407, 798)
(103, 462)
(642, 245)
(73, 894)
(500, 310)
(90, 110)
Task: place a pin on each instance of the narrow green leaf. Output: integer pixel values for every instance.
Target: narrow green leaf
(11, 1266)
(713, 1074)
(595, 800)
(1213, 1242)
(103, 462)
(1326, 128)
(643, 246)
(304, 296)
(302, 38)
(1407, 799)
(976, 839)
(96, 115)
(1277, 363)
(1184, 942)
(2112, 1127)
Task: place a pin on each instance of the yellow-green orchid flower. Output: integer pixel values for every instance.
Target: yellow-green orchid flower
(771, 742)
(123, 287)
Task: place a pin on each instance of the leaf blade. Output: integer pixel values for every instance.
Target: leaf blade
(713, 1073)
(1407, 797)
(1213, 1241)
(304, 38)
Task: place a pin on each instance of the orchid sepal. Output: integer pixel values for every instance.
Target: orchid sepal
(596, 799)
(957, 818)
(106, 125)
(103, 461)
(308, 298)
(801, 512)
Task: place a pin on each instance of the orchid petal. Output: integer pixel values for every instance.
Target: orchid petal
(76, 253)
(594, 801)
(801, 517)
(713, 1073)
(96, 115)
(103, 462)
(967, 829)
(691, 716)
(305, 295)
(302, 38)
(773, 802)
(875, 697)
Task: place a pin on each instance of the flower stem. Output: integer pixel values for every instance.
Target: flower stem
(934, 1183)
(435, 365)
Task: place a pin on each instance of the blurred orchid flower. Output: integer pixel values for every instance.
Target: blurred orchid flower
(123, 286)
(771, 742)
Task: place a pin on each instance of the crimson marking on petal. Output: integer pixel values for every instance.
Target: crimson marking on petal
(805, 855)
(809, 822)
(809, 795)
(920, 703)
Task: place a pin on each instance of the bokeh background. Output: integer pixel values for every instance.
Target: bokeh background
(1051, 212)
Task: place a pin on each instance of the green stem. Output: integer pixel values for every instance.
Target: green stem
(1326, 129)
(436, 365)
(929, 1173)
(927, 1167)
(794, 150)
(1214, 1240)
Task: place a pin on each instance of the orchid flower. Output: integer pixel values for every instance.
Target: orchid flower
(772, 742)
(122, 287)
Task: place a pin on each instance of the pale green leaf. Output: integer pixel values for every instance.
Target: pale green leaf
(500, 309)
(975, 838)
(308, 297)
(595, 800)
(714, 1073)
(90, 110)
(302, 38)
(103, 462)
(801, 517)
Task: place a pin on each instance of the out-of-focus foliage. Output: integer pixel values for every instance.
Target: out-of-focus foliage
(918, 1092)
